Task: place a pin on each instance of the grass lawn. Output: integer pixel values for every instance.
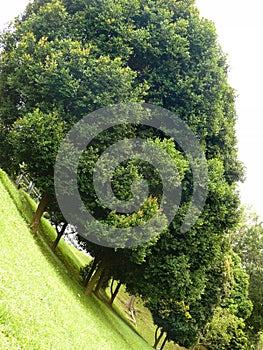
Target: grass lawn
(41, 305)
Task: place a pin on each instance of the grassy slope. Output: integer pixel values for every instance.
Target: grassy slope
(41, 307)
(69, 255)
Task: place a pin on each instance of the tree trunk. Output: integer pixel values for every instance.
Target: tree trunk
(93, 267)
(131, 303)
(102, 279)
(93, 281)
(111, 287)
(131, 310)
(157, 338)
(39, 212)
(164, 342)
(59, 235)
(114, 294)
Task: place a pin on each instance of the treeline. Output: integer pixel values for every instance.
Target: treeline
(63, 59)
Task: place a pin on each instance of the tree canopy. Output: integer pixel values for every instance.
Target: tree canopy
(63, 59)
(248, 243)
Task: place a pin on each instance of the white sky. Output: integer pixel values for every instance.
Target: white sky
(240, 28)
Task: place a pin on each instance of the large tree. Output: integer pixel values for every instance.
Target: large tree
(66, 58)
(48, 81)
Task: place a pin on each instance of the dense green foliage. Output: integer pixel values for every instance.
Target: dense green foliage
(66, 58)
(226, 331)
(227, 328)
(248, 243)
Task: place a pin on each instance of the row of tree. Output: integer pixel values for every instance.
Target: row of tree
(237, 321)
(63, 59)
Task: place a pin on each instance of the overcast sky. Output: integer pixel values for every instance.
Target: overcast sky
(240, 28)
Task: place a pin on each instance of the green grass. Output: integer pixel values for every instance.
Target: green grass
(260, 344)
(72, 258)
(41, 305)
